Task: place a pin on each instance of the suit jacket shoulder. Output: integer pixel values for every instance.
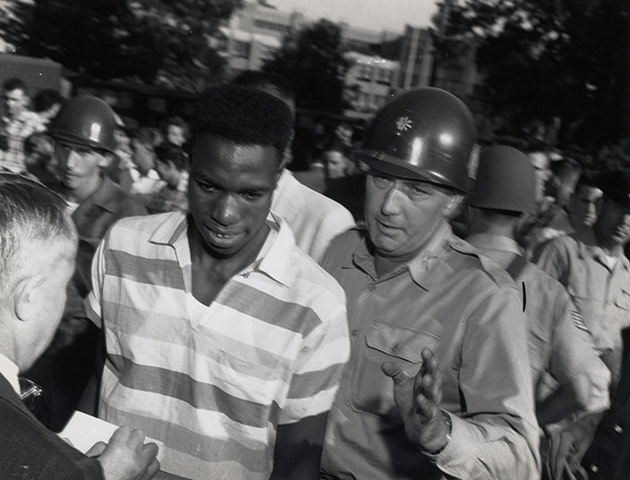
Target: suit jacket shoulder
(29, 451)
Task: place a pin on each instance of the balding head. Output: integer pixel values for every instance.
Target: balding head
(38, 244)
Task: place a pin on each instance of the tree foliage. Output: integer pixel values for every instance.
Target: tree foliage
(312, 59)
(546, 59)
(150, 40)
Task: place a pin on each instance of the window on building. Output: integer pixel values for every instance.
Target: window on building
(384, 76)
(365, 72)
(266, 25)
(240, 49)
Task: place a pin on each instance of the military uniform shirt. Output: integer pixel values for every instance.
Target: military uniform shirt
(467, 311)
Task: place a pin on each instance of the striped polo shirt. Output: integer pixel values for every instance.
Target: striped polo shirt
(213, 382)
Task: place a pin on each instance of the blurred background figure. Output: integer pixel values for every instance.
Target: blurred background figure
(16, 124)
(47, 104)
(171, 164)
(176, 132)
(145, 179)
(582, 210)
(40, 160)
(336, 163)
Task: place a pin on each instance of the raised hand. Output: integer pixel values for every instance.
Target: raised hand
(418, 401)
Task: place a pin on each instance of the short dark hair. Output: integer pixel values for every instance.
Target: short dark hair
(261, 80)
(242, 115)
(172, 153)
(28, 211)
(566, 168)
(587, 180)
(14, 84)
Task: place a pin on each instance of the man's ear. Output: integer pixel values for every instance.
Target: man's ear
(452, 205)
(25, 299)
(105, 159)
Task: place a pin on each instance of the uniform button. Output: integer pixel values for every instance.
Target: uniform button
(246, 275)
(355, 332)
(395, 348)
(594, 468)
(618, 429)
(371, 288)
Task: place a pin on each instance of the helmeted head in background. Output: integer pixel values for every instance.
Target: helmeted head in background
(84, 142)
(425, 134)
(506, 181)
(86, 121)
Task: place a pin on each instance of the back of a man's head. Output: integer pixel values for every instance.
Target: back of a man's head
(243, 116)
(30, 215)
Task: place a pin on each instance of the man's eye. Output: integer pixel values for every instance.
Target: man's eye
(416, 190)
(381, 181)
(251, 196)
(206, 187)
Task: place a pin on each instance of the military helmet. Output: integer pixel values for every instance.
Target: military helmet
(506, 180)
(87, 121)
(424, 134)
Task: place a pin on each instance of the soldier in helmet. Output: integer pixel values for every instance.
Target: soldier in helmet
(568, 376)
(428, 311)
(83, 134)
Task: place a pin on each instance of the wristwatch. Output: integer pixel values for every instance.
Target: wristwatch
(449, 430)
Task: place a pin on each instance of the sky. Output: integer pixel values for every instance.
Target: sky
(391, 15)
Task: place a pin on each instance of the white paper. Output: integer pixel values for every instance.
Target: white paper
(84, 430)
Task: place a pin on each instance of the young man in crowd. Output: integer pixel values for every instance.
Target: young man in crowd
(224, 340)
(426, 310)
(38, 242)
(83, 134)
(314, 219)
(16, 125)
(592, 266)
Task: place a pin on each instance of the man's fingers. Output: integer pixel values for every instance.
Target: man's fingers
(96, 450)
(394, 371)
(426, 407)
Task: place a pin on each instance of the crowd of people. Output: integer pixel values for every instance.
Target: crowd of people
(412, 306)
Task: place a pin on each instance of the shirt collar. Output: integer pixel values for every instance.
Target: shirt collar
(495, 242)
(10, 370)
(418, 267)
(588, 247)
(104, 194)
(274, 260)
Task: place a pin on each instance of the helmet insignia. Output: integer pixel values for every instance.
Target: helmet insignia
(403, 124)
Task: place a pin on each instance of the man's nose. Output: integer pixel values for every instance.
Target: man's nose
(225, 209)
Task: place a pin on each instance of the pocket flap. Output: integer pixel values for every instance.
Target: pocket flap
(403, 343)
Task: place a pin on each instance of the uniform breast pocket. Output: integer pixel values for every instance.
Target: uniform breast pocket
(372, 389)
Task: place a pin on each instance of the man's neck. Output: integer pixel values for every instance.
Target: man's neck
(210, 271)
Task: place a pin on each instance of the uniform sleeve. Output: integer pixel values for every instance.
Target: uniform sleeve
(550, 258)
(318, 369)
(574, 362)
(93, 301)
(496, 436)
